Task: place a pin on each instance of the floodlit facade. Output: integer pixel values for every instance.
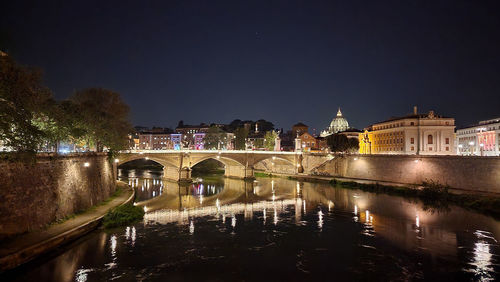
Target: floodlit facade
(416, 134)
(338, 124)
(482, 139)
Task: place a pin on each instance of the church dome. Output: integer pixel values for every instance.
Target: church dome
(339, 123)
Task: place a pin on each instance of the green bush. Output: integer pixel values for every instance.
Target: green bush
(262, 174)
(123, 215)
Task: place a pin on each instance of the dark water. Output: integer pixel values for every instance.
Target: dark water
(278, 229)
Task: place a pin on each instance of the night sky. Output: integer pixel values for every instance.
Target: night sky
(283, 61)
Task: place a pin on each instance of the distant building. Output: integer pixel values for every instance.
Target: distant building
(421, 134)
(338, 124)
(199, 143)
(308, 142)
(192, 129)
(299, 129)
(482, 139)
(155, 141)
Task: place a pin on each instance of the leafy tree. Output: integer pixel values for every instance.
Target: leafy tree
(258, 143)
(264, 125)
(240, 135)
(104, 118)
(340, 143)
(23, 100)
(269, 140)
(214, 138)
(235, 124)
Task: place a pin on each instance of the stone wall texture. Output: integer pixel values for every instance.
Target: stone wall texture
(34, 195)
(480, 174)
(468, 173)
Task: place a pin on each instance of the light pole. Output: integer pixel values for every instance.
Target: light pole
(471, 143)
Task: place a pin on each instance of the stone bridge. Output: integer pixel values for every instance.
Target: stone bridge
(177, 164)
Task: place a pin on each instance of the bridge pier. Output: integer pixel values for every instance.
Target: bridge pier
(240, 172)
(176, 174)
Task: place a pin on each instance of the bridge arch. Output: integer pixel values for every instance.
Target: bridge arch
(226, 161)
(160, 161)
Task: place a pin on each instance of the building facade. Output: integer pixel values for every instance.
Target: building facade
(416, 134)
(482, 139)
(338, 124)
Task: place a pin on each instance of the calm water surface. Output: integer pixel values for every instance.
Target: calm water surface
(277, 229)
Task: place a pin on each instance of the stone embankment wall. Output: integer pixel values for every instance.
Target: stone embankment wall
(468, 173)
(33, 195)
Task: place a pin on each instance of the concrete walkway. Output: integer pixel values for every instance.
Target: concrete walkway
(26, 247)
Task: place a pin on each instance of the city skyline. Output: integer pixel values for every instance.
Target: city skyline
(220, 61)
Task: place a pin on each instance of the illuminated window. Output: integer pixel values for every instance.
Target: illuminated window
(412, 148)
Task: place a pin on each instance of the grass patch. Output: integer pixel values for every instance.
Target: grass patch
(262, 174)
(122, 215)
(434, 196)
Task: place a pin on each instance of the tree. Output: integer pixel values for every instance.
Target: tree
(214, 138)
(240, 135)
(270, 139)
(265, 125)
(23, 99)
(340, 143)
(104, 118)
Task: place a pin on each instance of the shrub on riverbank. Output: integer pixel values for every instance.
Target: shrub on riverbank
(435, 196)
(262, 174)
(122, 215)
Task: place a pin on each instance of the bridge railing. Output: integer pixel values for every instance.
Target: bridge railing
(208, 152)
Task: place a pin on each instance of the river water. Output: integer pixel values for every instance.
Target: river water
(277, 229)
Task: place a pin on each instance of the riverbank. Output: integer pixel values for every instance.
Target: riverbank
(26, 247)
(433, 195)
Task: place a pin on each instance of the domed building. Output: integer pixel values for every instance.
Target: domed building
(338, 124)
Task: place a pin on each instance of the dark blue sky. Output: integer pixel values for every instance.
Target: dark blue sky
(284, 61)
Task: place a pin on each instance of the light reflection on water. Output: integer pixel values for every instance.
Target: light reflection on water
(226, 229)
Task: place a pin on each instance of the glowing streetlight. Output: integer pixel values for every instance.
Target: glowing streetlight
(117, 160)
(86, 164)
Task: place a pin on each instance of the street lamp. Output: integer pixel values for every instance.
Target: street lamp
(471, 143)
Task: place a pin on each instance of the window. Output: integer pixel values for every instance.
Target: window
(430, 148)
(412, 148)
(429, 139)
(412, 141)
(447, 148)
(447, 141)
(412, 123)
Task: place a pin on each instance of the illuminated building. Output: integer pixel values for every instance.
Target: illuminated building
(155, 141)
(338, 124)
(308, 142)
(420, 134)
(481, 139)
(198, 141)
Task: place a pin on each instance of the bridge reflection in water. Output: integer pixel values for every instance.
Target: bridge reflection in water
(276, 229)
(265, 199)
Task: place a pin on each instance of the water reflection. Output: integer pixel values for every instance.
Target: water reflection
(284, 228)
